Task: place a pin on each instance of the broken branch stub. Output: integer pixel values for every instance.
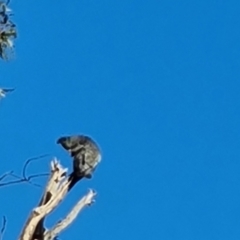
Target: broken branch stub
(87, 200)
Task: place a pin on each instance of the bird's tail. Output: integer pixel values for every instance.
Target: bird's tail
(73, 179)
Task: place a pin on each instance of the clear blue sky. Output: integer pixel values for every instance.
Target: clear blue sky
(156, 83)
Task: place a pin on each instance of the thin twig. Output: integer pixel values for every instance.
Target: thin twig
(4, 224)
(28, 179)
(87, 200)
(5, 175)
(24, 177)
(20, 179)
(29, 161)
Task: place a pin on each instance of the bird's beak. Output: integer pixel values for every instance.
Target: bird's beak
(62, 139)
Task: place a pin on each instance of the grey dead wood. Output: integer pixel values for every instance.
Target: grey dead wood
(87, 200)
(56, 190)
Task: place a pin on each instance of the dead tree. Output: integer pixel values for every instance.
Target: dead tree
(55, 191)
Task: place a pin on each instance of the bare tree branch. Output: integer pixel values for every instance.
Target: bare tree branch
(63, 224)
(56, 190)
(24, 172)
(4, 224)
(5, 175)
(28, 179)
(24, 177)
(57, 186)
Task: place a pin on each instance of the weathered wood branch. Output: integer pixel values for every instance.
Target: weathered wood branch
(56, 190)
(87, 200)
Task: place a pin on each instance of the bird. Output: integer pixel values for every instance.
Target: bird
(86, 156)
(4, 91)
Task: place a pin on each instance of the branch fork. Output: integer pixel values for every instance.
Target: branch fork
(56, 190)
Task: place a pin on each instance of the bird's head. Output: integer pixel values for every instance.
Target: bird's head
(74, 143)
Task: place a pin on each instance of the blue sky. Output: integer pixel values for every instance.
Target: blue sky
(156, 84)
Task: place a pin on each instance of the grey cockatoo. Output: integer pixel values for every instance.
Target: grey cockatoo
(4, 91)
(86, 156)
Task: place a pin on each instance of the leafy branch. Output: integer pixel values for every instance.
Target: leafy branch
(8, 31)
